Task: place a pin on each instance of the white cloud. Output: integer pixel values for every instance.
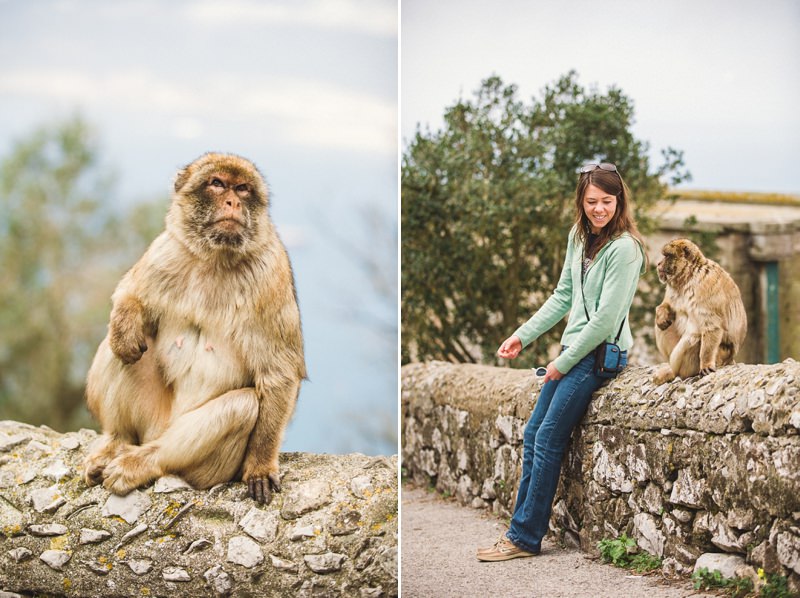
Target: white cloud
(365, 16)
(309, 113)
(131, 89)
(187, 128)
(326, 115)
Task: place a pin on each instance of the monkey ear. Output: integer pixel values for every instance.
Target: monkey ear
(181, 178)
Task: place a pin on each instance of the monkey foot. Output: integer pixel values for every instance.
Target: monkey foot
(96, 462)
(93, 473)
(260, 488)
(663, 374)
(707, 371)
(127, 472)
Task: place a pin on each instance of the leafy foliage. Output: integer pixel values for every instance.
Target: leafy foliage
(623, 552)
(708, 580)
(771, 585)
(777, 586)
(62, 249)
(486, 205)
(616, 551)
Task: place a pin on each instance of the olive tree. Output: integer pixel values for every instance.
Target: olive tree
(63, 246)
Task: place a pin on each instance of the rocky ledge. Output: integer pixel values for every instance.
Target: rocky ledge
(332, 530)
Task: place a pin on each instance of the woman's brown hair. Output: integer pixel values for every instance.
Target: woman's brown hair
(610, 181)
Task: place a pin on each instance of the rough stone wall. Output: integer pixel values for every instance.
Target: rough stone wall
(332, 530)
(701, 465)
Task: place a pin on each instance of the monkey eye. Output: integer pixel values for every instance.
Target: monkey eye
(215, 182)
(242, 188)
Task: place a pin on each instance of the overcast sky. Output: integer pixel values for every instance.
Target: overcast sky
(307, 89)
(311, 77)
(719, 79)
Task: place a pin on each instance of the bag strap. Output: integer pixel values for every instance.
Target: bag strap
(586, 311)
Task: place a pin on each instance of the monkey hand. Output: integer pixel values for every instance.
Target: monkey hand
(128, 347)
(126, 335)
(262, 481)
(707, 370)
(664, 316)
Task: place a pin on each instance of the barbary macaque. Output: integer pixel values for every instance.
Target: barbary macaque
(701, 323)
(200, 371)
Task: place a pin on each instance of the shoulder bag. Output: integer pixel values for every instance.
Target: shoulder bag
(608, 361)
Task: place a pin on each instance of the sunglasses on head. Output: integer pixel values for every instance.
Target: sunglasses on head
(602, 166)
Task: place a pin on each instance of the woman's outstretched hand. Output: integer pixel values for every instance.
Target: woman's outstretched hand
(510, 348)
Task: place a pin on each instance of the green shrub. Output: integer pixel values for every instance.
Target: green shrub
(623, 552)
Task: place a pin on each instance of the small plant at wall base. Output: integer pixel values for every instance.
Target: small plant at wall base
(777, 586)
(713, 580)
(774, 585)
(624, 553)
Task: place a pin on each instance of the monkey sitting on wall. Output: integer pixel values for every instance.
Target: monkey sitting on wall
(200, 371)
(701, 323)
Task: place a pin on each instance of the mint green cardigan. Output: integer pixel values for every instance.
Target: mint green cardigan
(609, 286)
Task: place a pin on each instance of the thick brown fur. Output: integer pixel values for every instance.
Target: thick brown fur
(200, 371)
(701, 323)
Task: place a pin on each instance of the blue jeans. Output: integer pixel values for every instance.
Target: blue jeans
(558, 410)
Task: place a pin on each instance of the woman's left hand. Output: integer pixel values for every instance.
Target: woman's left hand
(552, 373)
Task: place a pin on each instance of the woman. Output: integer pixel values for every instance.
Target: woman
(605, 253)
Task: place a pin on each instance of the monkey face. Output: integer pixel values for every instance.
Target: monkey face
(224, 212)
(665, 266)
(221, 203)
(679, 256)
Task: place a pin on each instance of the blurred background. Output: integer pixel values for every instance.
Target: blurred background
(102, 102)
(501, 103)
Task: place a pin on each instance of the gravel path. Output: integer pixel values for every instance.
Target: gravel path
(439, 539)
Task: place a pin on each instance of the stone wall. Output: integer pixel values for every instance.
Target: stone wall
(702, 465)
(332, 530)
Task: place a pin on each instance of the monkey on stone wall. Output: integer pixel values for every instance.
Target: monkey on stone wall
(200, 371)
(701, 323)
